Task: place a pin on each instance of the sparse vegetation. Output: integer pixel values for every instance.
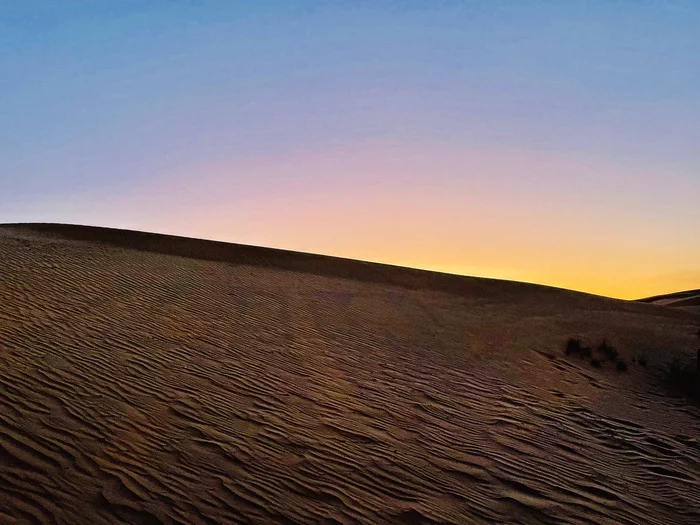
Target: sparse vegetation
(607, 350)
(642, 360)
(573, 346)
(681, 376)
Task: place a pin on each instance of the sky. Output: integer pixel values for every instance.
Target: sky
(542, 141)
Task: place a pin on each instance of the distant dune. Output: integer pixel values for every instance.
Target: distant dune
(689, 300)
(155, 379)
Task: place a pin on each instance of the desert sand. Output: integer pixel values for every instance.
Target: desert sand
(688, 300)
(153, 379)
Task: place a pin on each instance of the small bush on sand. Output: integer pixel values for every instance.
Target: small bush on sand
(596, 363)
(586, 351)
(642, 360)
(573, 346)
(607, 350)
(682, 377)
(621, 365)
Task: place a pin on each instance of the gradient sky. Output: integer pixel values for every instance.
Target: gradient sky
(555, 142)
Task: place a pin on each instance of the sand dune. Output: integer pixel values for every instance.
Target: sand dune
(689, 300)
(155, 379)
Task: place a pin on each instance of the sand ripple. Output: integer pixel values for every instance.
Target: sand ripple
(145, 387)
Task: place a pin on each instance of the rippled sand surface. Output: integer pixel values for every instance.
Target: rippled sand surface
(149, 379)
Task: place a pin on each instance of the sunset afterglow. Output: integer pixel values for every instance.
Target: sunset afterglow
(545, 142)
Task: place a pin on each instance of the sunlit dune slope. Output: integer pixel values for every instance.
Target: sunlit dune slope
(154, 379)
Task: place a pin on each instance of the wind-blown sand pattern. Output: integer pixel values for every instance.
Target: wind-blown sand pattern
(150, 379)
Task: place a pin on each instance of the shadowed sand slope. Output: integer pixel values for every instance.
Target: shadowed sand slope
(689, 300)
(152, 379)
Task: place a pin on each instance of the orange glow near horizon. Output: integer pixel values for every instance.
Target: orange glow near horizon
(438, 209)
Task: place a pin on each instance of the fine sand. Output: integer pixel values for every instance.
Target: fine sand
(150, 379)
